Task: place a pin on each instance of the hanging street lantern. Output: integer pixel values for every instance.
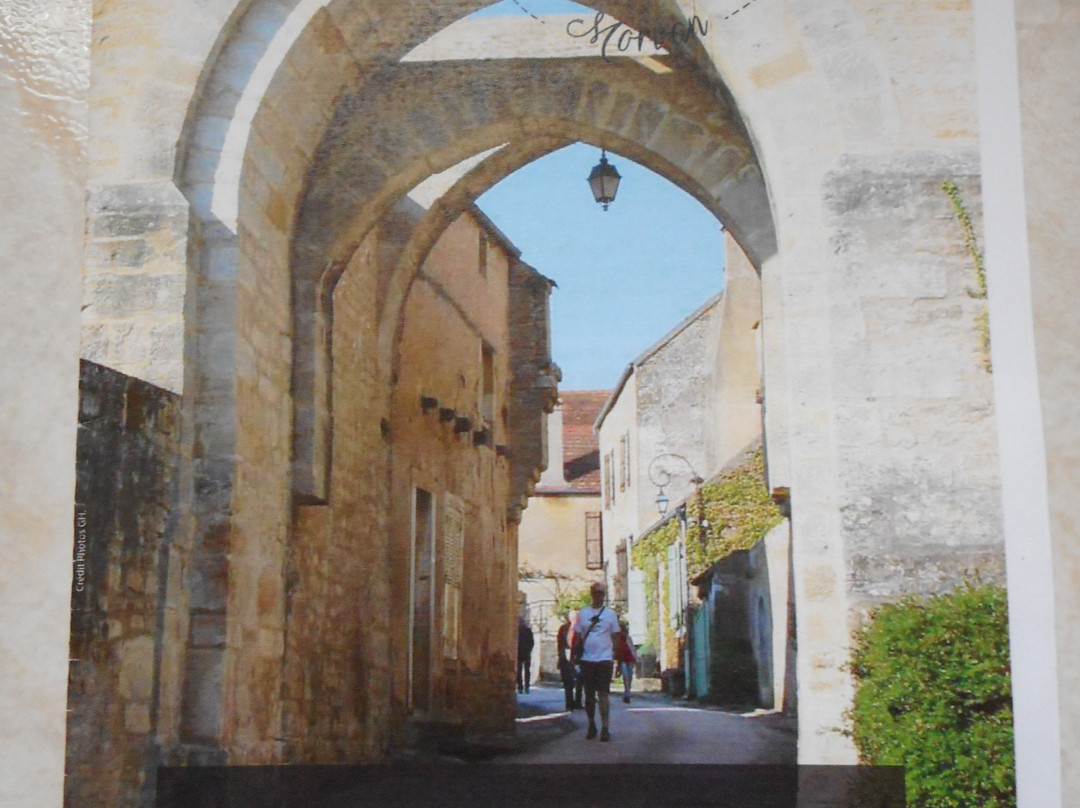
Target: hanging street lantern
(604, 181)
(662, 502)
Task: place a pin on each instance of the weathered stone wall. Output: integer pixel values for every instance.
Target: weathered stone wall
(454, 309)
(663, 407)
(673, 409)
(339, 580)
(533, 382)
(137, 220)
(620, 515)
(869, 250)
(240, 388)
(128, 451)
(349, 573)
(134, 280)
(920, 491)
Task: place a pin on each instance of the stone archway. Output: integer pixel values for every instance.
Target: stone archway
(836, 310)
(667, 126)
(376, 148)
(785, 62)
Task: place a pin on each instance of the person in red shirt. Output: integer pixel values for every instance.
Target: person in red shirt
(625, 657)
(567, 669)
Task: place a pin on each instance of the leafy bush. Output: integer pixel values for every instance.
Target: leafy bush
(570, 600)
(933, 695)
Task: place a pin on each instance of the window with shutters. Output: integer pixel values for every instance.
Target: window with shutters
(453, 573)
(606, 481)
(594, 541)
(618, 595)
(622, 463)
(609, 477)
(626, 468)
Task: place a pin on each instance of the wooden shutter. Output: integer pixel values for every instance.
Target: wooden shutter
(453, 572)
(594, 541)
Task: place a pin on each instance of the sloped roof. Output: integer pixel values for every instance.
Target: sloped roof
(651, 351)
(581, 447)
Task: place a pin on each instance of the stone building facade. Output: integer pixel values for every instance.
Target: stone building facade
(560, 541)
(394, 596)
(128, 440)
(244, 151)
(653, 433)
(738, 641)
(659, 407)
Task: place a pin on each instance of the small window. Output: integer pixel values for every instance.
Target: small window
(487, 383)
(594, 541)
(482, 255)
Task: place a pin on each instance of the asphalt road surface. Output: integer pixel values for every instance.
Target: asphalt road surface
(651, 729)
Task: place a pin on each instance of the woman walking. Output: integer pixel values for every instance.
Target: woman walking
(625, 657)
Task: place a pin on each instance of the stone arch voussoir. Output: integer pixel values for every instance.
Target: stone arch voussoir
(378, 148)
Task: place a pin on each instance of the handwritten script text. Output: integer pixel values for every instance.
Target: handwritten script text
(627, 36)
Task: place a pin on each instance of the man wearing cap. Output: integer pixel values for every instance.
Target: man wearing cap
(597, 624)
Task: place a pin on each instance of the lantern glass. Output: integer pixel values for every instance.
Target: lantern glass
(604, 181)
(661, 502)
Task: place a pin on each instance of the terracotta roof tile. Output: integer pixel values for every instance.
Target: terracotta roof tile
(581, 448)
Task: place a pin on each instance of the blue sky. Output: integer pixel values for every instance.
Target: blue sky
(508, 7)
(625, 276)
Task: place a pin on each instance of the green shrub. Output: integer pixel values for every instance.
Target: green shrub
(570, 600)
(933, 695)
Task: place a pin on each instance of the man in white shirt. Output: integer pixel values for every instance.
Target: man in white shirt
(597, 624)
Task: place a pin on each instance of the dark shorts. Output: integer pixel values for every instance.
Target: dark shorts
(596, 676)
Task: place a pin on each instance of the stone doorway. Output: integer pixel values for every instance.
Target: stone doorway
(422, 600)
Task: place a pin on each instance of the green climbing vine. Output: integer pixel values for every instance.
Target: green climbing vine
(982, 319)
(953, 192)
(738, 511)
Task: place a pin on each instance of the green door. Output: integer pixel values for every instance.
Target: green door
(700, 648)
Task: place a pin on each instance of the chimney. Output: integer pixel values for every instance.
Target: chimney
(553, 475)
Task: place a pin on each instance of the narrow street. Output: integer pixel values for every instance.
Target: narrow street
(653, 728)
(649, 733)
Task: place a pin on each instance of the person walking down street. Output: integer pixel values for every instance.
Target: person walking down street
(524, 661)
(595, 626)
(567, 668)
(625, 657)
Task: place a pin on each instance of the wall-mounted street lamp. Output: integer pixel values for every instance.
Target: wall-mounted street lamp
(662, 502)
(660, 476)
(604, 181)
